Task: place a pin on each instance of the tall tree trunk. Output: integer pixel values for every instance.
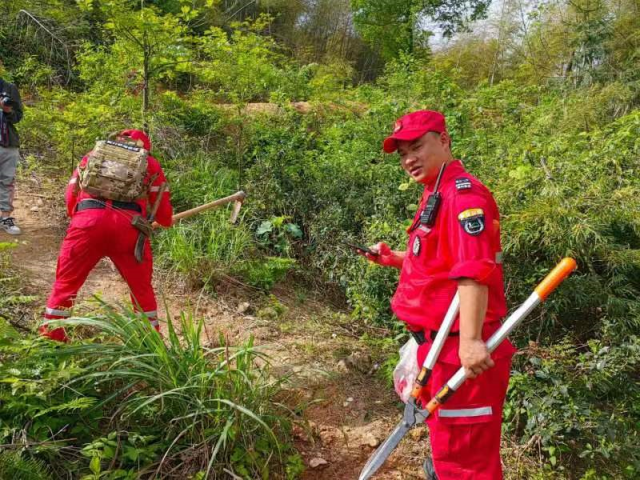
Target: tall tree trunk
(145, 84)
(410, 26)
(496, 57)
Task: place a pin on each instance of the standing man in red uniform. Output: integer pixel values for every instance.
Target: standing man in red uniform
(455, 248)
(102, 228)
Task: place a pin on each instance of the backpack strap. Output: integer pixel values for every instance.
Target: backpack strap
(152, 179)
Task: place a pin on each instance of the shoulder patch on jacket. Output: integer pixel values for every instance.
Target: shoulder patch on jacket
(463, 183)
(472, 221)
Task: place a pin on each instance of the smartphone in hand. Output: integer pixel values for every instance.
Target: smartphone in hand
(359, 249)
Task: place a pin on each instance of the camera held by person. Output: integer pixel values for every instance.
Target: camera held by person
(6, 100)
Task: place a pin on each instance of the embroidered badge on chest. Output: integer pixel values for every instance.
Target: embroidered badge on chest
(416, 246)
(463, 184)
(472, 221)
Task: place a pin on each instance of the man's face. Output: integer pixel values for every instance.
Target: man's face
(422, 158)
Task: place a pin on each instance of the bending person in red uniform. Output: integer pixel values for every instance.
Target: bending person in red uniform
(453, 247)
(102, 228)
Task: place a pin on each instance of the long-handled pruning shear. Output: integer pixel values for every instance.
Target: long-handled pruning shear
(413, 414)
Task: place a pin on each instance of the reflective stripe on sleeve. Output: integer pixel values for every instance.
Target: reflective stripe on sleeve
(152, 314)
(57, 313)
(465, 412)
(73, 180)
(154, 323)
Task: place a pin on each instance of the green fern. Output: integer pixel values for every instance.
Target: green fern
(6, 330)
(18, 300)
(15, 467)
(80, 403)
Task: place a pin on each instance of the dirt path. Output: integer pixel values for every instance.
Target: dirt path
(349, 409)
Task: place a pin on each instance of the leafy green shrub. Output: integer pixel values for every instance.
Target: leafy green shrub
(277, 234)
(578, 404)
(11, 298)
(266, 272)
(195, 116)
(243, 66)
(132, 450)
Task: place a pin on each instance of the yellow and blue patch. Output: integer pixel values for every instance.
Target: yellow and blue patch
(472, 221)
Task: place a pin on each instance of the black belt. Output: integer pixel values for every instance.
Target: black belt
(101, 204)
(420, 335)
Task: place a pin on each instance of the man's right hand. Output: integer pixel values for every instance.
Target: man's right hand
(385, 256)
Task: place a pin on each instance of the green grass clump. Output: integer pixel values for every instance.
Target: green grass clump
(135, 402)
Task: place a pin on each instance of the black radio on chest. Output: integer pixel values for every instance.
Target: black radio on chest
(430, 212)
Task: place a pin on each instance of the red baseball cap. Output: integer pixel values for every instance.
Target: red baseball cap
(412, 126)
(138, 135)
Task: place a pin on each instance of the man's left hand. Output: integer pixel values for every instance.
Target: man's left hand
(474, 357)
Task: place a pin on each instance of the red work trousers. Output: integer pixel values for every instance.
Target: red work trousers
(92, 235)
(465, 432)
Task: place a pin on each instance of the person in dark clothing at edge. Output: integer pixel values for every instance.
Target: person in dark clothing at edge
(10, 114)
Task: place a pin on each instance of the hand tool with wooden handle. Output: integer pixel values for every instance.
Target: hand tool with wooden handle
(237, 197)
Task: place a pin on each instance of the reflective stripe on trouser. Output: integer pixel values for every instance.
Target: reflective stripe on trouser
(153, 318)
(465, 432)
(464, 412)
(92, 235)
(8, 162)
(54, 333)
(50, 313)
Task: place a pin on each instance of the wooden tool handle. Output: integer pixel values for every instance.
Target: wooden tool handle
(237, 197)
(240, 196)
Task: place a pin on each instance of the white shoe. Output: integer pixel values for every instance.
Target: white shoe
(8, 225)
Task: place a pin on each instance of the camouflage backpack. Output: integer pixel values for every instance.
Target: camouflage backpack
(115, 170)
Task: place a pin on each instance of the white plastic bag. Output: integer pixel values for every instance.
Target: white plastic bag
(407, 370)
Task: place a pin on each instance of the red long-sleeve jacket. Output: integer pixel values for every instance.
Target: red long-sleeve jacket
(463, 243)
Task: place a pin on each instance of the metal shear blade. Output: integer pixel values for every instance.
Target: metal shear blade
(412, 416)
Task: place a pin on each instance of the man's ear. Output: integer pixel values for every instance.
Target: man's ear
(445, 139)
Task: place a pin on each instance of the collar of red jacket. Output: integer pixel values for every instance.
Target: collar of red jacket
(138, 135)
(453, 169)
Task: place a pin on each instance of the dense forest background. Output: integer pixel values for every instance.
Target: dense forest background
(289, 100)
